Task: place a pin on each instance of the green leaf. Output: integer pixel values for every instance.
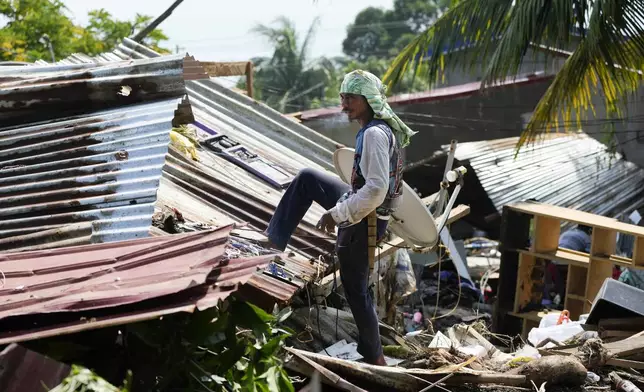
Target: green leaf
(285, 384)
(246, 315)
(230, 357)
(283, 315)
(270, 348)
(606, 62)
(272, 376)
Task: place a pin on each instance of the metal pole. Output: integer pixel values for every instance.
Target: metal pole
(155, 23)
(51, 51)
(47, 41)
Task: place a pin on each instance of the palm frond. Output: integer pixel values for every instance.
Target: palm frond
(605, 59)
(310, 35)
(494, 36)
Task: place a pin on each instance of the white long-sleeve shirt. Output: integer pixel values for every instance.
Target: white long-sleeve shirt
(374, 165)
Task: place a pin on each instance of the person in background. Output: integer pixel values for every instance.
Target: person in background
(376, 184)
(577, 239)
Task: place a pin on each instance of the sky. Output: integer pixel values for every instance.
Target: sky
(220, 30)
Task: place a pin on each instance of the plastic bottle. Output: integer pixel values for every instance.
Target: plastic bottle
(623, 385)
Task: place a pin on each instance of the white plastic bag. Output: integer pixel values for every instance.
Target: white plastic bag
(405, 278)
(394, 279)
(559, 333)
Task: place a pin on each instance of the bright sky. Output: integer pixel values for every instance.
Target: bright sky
(214, 30)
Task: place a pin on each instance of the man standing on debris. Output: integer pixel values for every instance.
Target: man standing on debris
(376, 184)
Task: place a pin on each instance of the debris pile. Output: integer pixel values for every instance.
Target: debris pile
(464, 354)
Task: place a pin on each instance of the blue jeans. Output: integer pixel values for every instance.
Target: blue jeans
(351, 248)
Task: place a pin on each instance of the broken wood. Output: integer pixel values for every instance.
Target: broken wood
(400, 379)
(392, 246)
(625, 363)
(235, 68)
(307, 367)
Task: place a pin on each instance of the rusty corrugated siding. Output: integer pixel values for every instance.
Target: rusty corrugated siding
(189, 271)
(86, 160)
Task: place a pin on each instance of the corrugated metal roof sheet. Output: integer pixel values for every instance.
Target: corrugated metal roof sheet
(189, 270)
(87, 149)
(256, 123)
(574, 171)
(224, 192)
(51, 92)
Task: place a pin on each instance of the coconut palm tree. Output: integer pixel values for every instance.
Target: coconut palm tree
(498, 33)
(289, 80)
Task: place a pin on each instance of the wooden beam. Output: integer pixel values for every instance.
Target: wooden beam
(625, 363)
(249, 78)
(457, 213)
(324, 288)
(219, 69)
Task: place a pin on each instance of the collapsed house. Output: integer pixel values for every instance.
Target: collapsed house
(96, 172)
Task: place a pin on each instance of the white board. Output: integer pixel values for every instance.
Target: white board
(412, 221)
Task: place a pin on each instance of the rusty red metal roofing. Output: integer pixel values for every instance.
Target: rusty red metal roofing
(26, 370)
(189, 270)
(437, 94)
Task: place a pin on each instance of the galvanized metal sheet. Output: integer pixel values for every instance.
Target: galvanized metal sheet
(84, 143)
(102, 167)
(572, 171)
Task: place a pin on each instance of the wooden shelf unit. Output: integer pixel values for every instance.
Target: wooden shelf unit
(524, 258)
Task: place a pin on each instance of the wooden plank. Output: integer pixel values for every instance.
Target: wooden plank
(561, 213)
(638, 252)
(614, 259)
(562, 255)
(250, 75)
(603, 243)
(546, 234)
(624, 324)
(626, 347)
(576, 284)
(625, 363)
(611, 333)
(457, 213)
(621, 348)
(217, 69)
(575, 216)
(523, 292)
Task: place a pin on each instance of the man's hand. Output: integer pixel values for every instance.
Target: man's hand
(327, 223)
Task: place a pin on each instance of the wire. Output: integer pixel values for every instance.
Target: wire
(438, 289)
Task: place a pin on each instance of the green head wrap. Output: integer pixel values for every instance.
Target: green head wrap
(368, 85)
